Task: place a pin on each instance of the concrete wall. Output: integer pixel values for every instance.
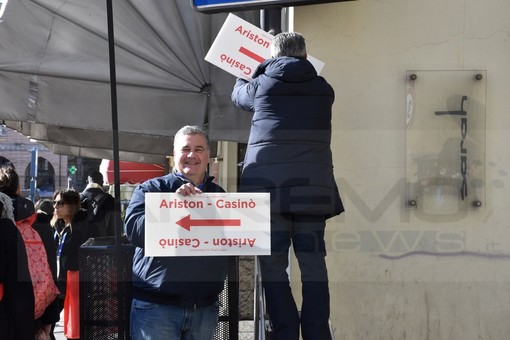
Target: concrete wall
(394, 275)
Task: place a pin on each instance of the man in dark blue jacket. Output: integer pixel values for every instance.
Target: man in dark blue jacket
(289, 155)
(175, 297)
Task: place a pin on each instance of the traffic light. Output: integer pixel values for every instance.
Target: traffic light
(72, 169)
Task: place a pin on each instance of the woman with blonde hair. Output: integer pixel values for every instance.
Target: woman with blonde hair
(71, 231)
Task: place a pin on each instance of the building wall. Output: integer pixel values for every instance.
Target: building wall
(17, 148)
(393, 273)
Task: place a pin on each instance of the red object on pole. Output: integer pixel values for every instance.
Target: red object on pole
(130, 172)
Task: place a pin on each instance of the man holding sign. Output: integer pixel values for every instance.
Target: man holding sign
(175, 297)
(289, 155)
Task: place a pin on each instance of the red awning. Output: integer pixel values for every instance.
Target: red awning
(130, 172)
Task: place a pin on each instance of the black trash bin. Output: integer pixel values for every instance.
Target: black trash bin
(105, 288)
(228, 321)
(105, 292)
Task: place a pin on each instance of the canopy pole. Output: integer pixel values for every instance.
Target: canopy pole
(123, 332)
(115, 121)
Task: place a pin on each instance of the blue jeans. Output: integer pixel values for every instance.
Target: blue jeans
(151, 321)
(306, 234)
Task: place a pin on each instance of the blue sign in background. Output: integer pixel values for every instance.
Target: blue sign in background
(210, 6)
(218, 2)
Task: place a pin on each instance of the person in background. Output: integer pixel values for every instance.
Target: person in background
(70, 224)
(17, 321)
(103, 223)
(291, 129)
(45, 206)
(178, 294)
(6, 162)
(25, 216)
(44, 210)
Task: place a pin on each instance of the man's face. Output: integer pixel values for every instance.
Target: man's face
(191, 156)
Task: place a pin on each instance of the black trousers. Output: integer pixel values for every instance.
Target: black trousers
(306, 234)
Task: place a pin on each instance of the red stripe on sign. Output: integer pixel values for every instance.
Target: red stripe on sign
(251, 54)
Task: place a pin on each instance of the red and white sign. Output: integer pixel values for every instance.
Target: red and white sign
(241, 46)
(209, 224)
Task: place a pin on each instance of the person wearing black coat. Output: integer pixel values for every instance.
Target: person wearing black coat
(289, 155)
(17, 297)
(71, 230)
(103, 224)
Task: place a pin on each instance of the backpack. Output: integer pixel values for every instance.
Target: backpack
(96, 212)
(95, 207)
(45, 290)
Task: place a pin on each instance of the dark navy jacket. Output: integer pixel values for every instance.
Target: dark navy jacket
(68, 241)
(169, 280)
(288, 151)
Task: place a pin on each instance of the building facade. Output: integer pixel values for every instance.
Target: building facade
(52, 170)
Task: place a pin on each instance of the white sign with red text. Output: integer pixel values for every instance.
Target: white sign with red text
(208, 224)
(241, 46)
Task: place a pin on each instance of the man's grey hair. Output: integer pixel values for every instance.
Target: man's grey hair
(192, 130)
(288, 44)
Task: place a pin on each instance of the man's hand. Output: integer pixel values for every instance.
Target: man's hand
(188, 189)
